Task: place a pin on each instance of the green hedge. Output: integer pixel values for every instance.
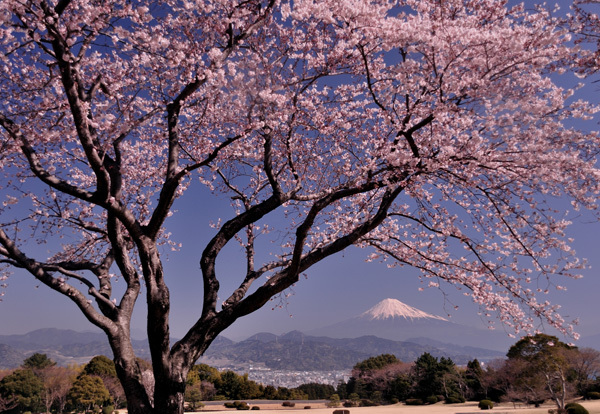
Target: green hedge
(574, 408)
(486, 404)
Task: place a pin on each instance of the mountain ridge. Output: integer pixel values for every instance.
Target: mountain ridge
(297, 351)
(388, 327)
(394, 320)
(293, 351)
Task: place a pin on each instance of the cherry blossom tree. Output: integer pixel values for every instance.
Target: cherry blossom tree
(431, 133)
(585, 23)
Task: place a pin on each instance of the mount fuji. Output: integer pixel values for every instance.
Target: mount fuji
(393, 308)
(397, 321)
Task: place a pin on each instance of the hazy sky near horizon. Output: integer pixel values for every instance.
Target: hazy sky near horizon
(341, 287)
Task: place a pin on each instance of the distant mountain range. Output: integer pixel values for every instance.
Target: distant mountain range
(397, 321)
(61, 345)
(296, 351)
(293, 351)
(390, 327)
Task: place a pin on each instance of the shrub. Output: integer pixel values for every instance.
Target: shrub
(574, 408)
(593, 395)
(307, 407)
(368, 403)
(256, 407)
(414, 401)
(432, 399)
(109, 409)
(334, 401)
(486, 404)
(348, 404)
(238, 405)
(394, 400)
(288, 404)
(454, 400)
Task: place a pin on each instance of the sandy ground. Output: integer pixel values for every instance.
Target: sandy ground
(467, 408)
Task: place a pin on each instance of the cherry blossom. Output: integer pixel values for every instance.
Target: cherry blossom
(432, 134)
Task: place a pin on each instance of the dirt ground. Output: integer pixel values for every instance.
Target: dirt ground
(467, 408)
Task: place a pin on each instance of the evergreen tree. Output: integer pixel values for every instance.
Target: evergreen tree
(204, 372)
(373, 363)
(433, 377)
(316, 391)
(399, 388)
(26, 387)
(88, 392)
(270, 392)
(473, 378)
(237, 387)
(101, 366)
(38, 361)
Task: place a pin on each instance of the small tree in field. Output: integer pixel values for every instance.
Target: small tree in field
(88, 392)
(429, 132)
(544, 367)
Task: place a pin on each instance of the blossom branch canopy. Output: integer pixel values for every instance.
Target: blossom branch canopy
(430, 133)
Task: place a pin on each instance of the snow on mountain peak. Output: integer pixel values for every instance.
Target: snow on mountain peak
(393, 308)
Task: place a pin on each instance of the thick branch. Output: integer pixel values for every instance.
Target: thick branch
(169, 189)
(210, 324)
(37, 168)
(121, 245)
(226, 233)
(288, 276)
(61, 6)
(39, 272)
(74, 90)
(268, 164)
(174, 173)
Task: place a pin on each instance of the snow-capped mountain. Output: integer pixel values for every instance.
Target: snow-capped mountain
(397, 321)
(393, 308)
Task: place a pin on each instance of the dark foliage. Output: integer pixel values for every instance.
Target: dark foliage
(574, 408)
(374, 363)
(486, 404)
(316, 391)
(593, 395)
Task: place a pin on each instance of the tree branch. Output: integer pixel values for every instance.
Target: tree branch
(39, 271)
(36, 167)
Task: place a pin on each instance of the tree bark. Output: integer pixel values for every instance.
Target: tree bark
(130, 374)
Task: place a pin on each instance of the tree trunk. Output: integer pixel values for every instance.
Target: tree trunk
(170, 401)
(130, 374)
(135, 393)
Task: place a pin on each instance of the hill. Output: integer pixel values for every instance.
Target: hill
(293, 351)
(296, 351)
(10, 357)
(64, 346)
